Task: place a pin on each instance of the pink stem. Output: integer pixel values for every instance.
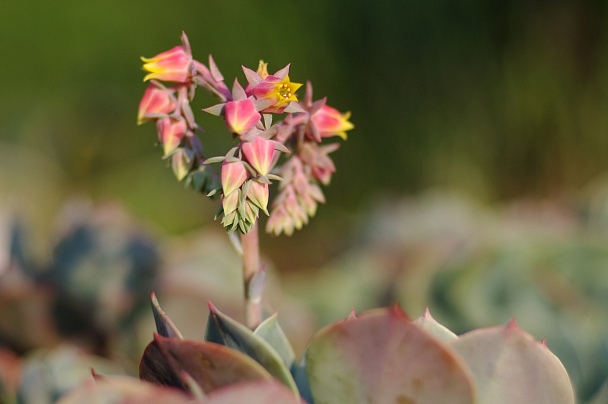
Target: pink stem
(252, 277)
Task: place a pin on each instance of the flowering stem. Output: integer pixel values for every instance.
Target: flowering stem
(253, 277)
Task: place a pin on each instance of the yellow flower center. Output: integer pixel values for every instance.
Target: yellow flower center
(285, 91)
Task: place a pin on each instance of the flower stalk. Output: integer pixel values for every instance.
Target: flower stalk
(253, 275)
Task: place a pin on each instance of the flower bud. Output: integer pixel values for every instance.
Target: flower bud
(329, 122)
(181, 162)
(172, 65)
(258, 194)
(241, 116)
(171, 131)
(233, 176)
(230, 202)
(157, 101)
(279, 222)
(259, 153)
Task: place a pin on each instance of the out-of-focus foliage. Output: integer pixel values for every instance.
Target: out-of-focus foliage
(543, 264)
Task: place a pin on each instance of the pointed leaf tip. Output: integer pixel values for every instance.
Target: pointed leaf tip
(432, 326)
(512, 327)
(164, 325)
(397, 311)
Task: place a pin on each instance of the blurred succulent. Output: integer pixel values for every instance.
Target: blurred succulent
(379, 356)
(60, 315)
(103, 269)
(48, 374)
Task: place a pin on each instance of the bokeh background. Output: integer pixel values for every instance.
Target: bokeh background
(478, 161)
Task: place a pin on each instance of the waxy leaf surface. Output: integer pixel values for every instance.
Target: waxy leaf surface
(381, 357)
(223, 329)
(173, 361)
(509, 366)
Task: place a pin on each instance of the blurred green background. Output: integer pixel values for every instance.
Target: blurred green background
(499, 100)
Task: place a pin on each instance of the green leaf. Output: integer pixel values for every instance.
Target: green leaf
(270, 331)
(509, 366)
(381, 357)
(229, 332)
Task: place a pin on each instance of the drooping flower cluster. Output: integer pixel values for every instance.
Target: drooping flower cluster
(252, 164)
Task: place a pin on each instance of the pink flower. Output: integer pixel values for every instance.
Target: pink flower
(171, 131)
(329, 122)
(233, 176)
(322, 166)
(277, 89)
(172, 65)
(241, 116)
(259, 153)
(280, 222)
(157, 101)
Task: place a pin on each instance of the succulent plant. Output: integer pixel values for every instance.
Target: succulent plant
(378, 356)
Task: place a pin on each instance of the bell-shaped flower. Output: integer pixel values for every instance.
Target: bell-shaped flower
(329, 122)
(257, 193)
(259, 153)
(156, 102)
(172, 65)
(171, 131)
(241, 115)
(233, 176)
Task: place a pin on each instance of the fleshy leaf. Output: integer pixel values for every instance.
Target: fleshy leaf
(167, 361)
(271, 332)
(259, 392)
(237, 336)
(298, 370)
(164, 325)
(509, 366)
(430, 325)
(383, 357)
(122, 389)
